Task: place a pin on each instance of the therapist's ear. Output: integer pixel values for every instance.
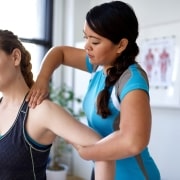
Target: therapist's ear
(122, 45)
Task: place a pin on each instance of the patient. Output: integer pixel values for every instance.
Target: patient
(26, 134)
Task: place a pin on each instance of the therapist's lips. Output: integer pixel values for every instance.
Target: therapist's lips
(90, 56)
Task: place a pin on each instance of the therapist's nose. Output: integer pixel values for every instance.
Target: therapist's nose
(87, 46)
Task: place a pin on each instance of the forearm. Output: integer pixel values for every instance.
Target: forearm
(104, 170)
(113, 147)
(51, 61)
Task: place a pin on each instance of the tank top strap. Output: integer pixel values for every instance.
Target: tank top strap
(24, 107)
(21, 117)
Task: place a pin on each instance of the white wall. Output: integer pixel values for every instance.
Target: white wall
(164, 145)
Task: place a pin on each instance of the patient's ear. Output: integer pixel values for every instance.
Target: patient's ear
(16, 55)
(122, 45)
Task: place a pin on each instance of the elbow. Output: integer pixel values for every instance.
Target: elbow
(134, 148)
(85, 153)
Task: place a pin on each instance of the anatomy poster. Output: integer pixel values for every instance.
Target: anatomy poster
(157, 56)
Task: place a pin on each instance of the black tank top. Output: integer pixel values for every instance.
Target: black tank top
(19, 158)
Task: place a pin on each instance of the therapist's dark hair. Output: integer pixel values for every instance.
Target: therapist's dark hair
(114, 20)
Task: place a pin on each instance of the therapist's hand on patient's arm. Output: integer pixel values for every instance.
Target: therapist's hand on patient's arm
(38, 92)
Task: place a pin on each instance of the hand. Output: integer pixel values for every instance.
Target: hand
(38, 92)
